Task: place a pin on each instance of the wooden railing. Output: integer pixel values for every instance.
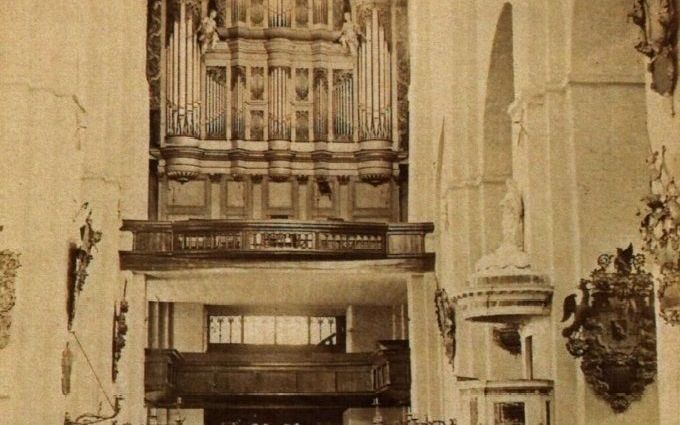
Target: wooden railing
(211, 378)
(373, 240)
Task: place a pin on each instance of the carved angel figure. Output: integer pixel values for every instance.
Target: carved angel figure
(349, 37)
(208, 36)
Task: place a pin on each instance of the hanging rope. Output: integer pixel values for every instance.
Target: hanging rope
(89, 363)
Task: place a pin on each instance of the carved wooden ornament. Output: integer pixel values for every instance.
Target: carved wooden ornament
(9, 263)
(613, 331)
(660, 231)
(658, 24)
(79, 261)
(446, 319)
(120, 329)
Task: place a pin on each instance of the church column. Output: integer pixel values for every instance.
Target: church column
(153, 325)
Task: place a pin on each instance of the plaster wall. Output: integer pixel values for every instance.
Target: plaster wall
(71, 133)
(579, 141)
(663, 126)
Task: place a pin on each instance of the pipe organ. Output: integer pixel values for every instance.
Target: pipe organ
(183, 66)
(307, 79)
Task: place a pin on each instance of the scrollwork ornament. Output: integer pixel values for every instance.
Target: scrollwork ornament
(613, 329)
(660, 231)
(9, 263)
(657, 20)
(153, 51)
(79, 261)
(669, 294)
(446, 320)
(120, 329)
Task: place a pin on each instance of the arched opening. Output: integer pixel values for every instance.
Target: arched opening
(500, 89)
(497, 150)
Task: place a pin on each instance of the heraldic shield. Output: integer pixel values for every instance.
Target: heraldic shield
(613, 330)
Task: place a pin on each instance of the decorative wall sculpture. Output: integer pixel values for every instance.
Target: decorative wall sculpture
(9, 263)
(153, 52)
(446, 319)
(613, 331)
(510, 255)
(79, 261)
(658, 24)
(660, 230)
(508, 338)
(120, 330)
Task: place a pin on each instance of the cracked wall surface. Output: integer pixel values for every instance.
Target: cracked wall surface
(73, 130)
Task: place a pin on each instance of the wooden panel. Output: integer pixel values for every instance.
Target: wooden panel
(236, 382)
(372, 197)
(187, 200)
(371, 202)
(276, 382)
(189, 194)
(324, 204)
(354, 381)
(236, 194)
(316, 382)
(195, 381)
(215, 377)
(280, 195)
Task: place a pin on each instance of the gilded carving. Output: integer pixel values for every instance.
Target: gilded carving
(660, 230)
(257, 83)
(349, 36)
(153, 52)
(257, 125)
(9, 263)
(217, 74)
(79, 261)
(301, 84)
(657, 40)
(221, 8)
(257, 12)
(613, 329)
(302, 126)
(120, 330)
(446, 320)
(301, 13)
(207, 34)
(403, 76)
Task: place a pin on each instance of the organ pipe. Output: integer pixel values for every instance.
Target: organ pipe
(374, 72)
(183, 71)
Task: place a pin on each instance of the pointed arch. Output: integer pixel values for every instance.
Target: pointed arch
(500, 89)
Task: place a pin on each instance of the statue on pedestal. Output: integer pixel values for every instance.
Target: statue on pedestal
(510, 255)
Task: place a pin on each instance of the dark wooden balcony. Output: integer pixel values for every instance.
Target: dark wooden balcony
(199, 243)
(252, 380)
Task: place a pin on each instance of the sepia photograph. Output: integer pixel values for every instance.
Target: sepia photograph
(339, 212)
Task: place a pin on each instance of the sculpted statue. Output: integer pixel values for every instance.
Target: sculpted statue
(349, 37)
(208, 36)
(513, 212)
(510, 256)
